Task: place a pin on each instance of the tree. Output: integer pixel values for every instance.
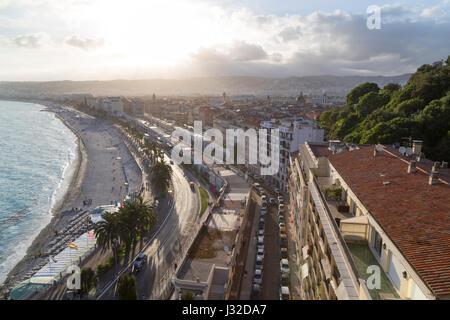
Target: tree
(87, 280)
(187, 295)
(126, 289)
(137, 217)
(108, 232)
(359, 91)
(161, 177)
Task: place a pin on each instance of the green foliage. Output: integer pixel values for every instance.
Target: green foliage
(126, 289)
(87, 280)
(420, 109)
(187, 296)
(161, 177)
(204, 199)
(359, 91)
(333, 193)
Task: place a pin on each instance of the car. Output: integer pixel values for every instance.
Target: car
(277, 191)
(256, 185)
(281, 207)
(285, 279)
(272, 201)
(280, 218)
(139, 262)
(171, 161)
(284, 293)
(260, 252)
(284, 266)
(260, 247)
(259, 262)
(262, 220)
(260, 240)
(284, 253)
(282, 227)
(280, 199)
(261, 233)
(257, 278)
(261, 225)
(263, 212)
(255, 292)
(264, 205)
(192, 185)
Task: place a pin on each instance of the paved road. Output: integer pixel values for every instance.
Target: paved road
(167, 245)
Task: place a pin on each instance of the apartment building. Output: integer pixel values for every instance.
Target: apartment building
(356, 209)
(293, 132)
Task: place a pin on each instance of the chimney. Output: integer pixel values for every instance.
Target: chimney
(417, 147)
(433, 179)
(412, 166)
(436, 165)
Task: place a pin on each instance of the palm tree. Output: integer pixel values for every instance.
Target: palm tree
(137, 217)
(108, 233)
(161, 177)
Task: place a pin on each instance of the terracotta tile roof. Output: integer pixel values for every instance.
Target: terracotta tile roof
(415, 215)
(320, 150)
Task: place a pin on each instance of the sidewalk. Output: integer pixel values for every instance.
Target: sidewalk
(295, 274)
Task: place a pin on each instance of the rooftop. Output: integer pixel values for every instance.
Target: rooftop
(414, 214)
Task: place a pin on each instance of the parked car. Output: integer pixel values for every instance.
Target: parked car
(280, 199)
(255, 292)
(263, 212)
(257, 278)
(171, 161)
(260, 247)
(264, 205)
(260, 252)
(277, 191)
(260, 240)
(284, 293)
(280, 218)
(139, 262)
(256, 185)
(284, 253)
(272, 201)
(281, 207)
(282, 227)
(261, 233)
(259, 261)
(285, 280)
(284, 266)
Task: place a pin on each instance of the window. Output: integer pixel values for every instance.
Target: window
(377, 243)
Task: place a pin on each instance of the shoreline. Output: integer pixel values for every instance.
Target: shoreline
(57, 210)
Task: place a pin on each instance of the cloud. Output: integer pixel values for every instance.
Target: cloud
(243, 51)
(432, 13)
(84, 43)
(33, 41)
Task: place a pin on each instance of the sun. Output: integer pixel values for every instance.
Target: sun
(155, 32)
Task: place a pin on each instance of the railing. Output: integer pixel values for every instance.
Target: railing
(339, 235)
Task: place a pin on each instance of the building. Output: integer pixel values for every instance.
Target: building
(293, 132)
(134, 107)
(113, 104)
(355, 209)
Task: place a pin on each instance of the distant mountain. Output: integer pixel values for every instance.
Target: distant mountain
(258, 86)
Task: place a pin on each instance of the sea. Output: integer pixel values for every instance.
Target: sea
(37, 153)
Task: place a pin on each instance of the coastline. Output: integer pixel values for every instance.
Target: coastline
(104, 171)
(57, 211)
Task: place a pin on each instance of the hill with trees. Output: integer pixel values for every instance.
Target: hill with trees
(420, 110)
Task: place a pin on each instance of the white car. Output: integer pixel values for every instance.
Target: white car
(261, 233)
(284, 266)
(257, 278)
(280, 199)
(260, 240)
(259, 262)
(284, 293)
(281, 207)
(260, 252)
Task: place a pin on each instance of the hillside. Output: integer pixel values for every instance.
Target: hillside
(259, 86)
(420, 109)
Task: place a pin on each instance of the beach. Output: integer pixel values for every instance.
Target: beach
(104, 172)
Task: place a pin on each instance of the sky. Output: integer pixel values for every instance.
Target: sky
(46, 40)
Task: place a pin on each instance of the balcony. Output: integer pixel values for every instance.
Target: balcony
(363, 257)
(333, 204)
